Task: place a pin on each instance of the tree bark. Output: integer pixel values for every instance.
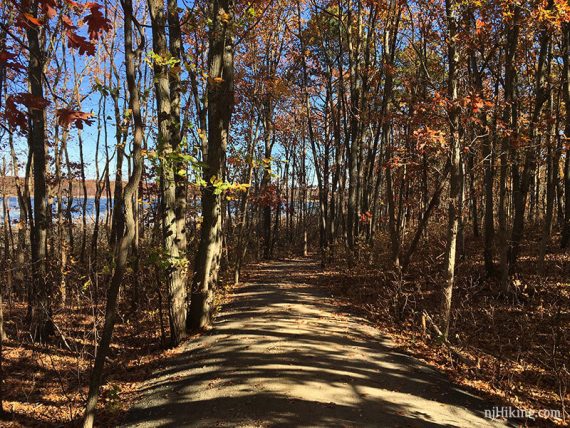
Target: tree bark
(565, 236)
(173, 169)
(522, 181)
(220, 107)
(510, 117)
(455, 202)
(125, 203)
(41, 325)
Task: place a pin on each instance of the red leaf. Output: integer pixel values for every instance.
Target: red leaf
(76, 41)
(17, 118)
(5, 56)
(13, 115)
(67, 117)
(96, 21)
(5, 61)
(48, 7)
(33, 102)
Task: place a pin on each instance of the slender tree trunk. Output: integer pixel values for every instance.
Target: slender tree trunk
(304, 193)
(565, 236)
(84, 201)
(395, 242)
(489, 221)
(22, 221)
(99, 188)
(422, 226)
(354, 133)
(522, 181)
(7, 266)
(62, 244)
(117, 223)
(266, 182)
(552, 166)
(82, 253)
(473, 193)
(125, 204)
(241, 247)
(510, 117)
(455, 193)
(41, 325)
(220, 106)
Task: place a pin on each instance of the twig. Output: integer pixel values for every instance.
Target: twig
(444, 341)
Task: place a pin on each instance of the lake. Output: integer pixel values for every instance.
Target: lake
(77, 207)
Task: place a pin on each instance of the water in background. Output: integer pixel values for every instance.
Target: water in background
(76, 209)
(104, 204)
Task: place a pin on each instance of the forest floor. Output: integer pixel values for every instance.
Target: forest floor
(511, 348)
(281, 353)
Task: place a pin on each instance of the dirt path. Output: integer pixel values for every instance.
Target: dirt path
(280, 355)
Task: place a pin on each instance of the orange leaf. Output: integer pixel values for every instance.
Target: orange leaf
(67, 117)
(68, 23)
(31, 19)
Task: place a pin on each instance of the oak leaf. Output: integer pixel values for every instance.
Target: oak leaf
(96, 21)
(14, 117)
(80, 43)
(32, 102)
(17, 118)
(29, 20)
(67, 117)
(68, 23)
(48, 8)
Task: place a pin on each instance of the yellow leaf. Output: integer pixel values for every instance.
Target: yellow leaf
(224, 17)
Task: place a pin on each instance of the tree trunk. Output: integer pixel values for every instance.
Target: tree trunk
(522, 181)
(552, 165)
(220, 106)
(173, 169)
(23, 216)
(455, 202)
(489, 221)
(177, 283)
(565, 237)
(125, 204)
(241, 246)
(510, 117)
(266, 182)
(41, 325)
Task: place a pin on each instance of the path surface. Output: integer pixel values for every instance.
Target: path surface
(281, 355)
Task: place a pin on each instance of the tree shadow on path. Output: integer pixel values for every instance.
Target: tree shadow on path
(281, 355)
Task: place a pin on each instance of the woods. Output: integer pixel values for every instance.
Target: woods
(152, 150)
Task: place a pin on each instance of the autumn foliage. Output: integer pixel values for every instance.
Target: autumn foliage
(419, 149)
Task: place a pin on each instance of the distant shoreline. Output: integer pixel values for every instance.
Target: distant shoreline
(8, 195)
(8, 185)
